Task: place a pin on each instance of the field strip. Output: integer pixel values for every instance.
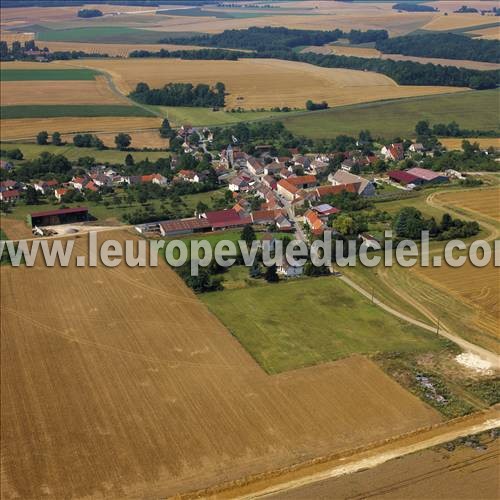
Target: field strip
(378, 457)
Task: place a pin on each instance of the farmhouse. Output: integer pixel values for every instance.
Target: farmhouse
(315, 224)
(45, 186)
(303, 181)
(364, 187)
(394, 152)
(10, 195)
(239, 183)
(255, 166)
(61, 216)
(59, 193)
(287, 190)
(325, 210)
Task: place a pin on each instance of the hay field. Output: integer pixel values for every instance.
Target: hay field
(140, 139)
(28, 128)
(456, 143)
(456, 21)
(486, 33)
(59, 92)
(118, 382)
(34, 65)
(485, 202)
(263, 83)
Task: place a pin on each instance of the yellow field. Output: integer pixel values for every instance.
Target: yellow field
(263, 83)
(487, 33)
(484, 142)
(456, 21)
(140, 139)
(374, 53)
(113, 49)
(28, 128)
(119, 383)
(32, 65)
(452, 5)
(59, 92)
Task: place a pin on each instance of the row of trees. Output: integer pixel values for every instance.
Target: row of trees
(86, 13)
(181, 94)
(442, 45)
(122, 140)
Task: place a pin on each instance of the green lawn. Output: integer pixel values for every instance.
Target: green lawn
(307, 321)
(11, 75)
(31, 151)
(56, 110)
(206, 117)
(473, 110)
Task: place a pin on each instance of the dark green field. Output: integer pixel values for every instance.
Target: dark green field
(103, 34)
(13, 75)
(54, 111)
(387, 119)
(307, 321)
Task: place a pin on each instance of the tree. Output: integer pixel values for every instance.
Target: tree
(422, 128)
(166, 130)
(31, 196)
(201, 207)
(248, 235)
(344, 224)
(409, 223)
(446, 222)
(123, 141)
(56, 139)
(42, 138)
(271, 274)
(129, 160)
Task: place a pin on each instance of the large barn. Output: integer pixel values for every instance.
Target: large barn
(60, 216)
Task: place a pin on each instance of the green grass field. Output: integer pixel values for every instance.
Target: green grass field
(307, 321)
(58, 110)
(32, 151)
(13, 75)
(387, 119)
(206, 117)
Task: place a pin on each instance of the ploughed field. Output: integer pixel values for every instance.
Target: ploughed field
(120, 382)
(263, 83)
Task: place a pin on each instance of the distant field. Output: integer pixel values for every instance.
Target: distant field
(55, 111)
(11, 75)
(262, 83)
(28, 128)
(456, 21)
(94, 92)
(474, 110)
(456, 143)
(486, 33)
(325, 326)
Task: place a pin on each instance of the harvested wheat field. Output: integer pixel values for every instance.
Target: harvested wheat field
(119, 382)
(264, 83)
(376, 54)
(28, 128)
(59, 92)
(456, 21)
(113, 49)
(140, 139)
(484, 142)
(485, 202)
(487, 33)
(33, 65)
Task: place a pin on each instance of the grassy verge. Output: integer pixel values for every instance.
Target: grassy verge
(303, 322)
(11, 75)
(55, 111)
(472, 110)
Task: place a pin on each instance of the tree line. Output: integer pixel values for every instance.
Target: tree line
(86, 13)
(442, 45)
(181, 94)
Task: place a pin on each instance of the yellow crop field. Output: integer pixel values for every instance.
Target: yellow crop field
(28, 128)
(119, 383)
(140, 139)
(263, 83)
(484, 142)
(355, 51)
(456, 21)
(32, 65)
(487, 33)
(59, 92)
(451, 6)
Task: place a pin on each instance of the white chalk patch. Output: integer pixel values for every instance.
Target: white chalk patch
(474, 362)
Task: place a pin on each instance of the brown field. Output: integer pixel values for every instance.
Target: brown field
(27, 128)
(485, 202)
(59, 92)
(140, 139)
(484, 142)
(263, 83)
(452, 5)
(118, 382)
(374, 53)
(33, 65)
(463, 474)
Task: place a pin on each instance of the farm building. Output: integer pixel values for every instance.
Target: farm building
(364, 187)
(184, 226)
(428, 176)
(404, 178)
(61, 216)
(223, 219)
(10, 196)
